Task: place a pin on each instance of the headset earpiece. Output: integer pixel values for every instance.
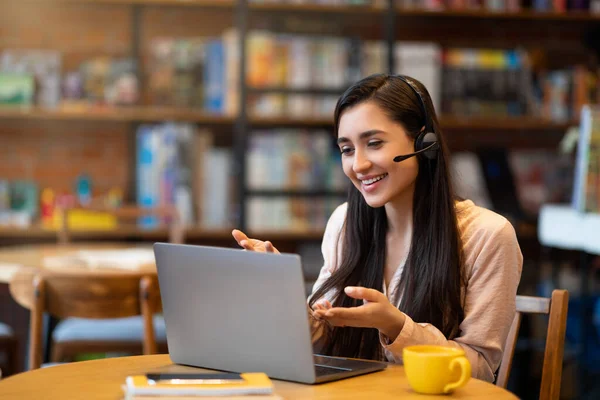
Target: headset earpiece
(427, 138)
(424, 140)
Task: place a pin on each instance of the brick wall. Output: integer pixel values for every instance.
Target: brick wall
(54, 153)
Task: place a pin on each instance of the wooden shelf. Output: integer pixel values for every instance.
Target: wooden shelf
(306, 193)
(38, 232)
(291, 91)
(351, 9)
(179, 3)
(231, 4)
(504, 124)
(120, 114)
(293, 121)
(486, 14)
(131, 232)
(318, 8)
(159, 114)
(279, 236)
(150, 114)
(524, 230)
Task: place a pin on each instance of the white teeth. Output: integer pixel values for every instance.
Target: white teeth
(373, 180)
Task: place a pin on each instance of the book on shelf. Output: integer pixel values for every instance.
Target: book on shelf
(122, 86)
(216, 199)
(541, 176)
(292, 160)
(284, 214)
(177, 164)
(514, 183)
(468, 180)
(176, 72)
(421, 61)
(104, 80)
(586, 188)
(501, 184)
(42, 66)
(214, 77)
(16, 89)
(485, 83)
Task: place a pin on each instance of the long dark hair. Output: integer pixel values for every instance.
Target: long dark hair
(433, 278)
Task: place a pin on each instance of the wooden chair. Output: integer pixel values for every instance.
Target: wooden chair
(67, 296)
(556, 307)
(76, 336)
(9, 347)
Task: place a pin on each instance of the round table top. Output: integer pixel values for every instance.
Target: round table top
(103, 379)
(65, 258)
(20, 264)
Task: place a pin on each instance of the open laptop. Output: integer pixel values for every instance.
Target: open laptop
(242, 311)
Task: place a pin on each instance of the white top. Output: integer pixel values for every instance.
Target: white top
(493, 263)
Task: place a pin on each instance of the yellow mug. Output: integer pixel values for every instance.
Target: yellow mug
(435, 369)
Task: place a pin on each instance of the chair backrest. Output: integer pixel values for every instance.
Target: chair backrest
(129, 212)
(112, 296)
(556, 307)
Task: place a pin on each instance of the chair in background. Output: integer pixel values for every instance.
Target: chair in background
(8, 351)
(556, 307)
(102, 297)
(74, 336)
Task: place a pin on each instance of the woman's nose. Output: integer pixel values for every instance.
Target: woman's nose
(361, 163)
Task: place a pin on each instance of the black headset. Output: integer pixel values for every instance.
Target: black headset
(426, 141)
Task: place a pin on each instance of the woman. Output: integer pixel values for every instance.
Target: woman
(406, 262)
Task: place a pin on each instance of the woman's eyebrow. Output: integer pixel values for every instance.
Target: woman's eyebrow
(363, 135)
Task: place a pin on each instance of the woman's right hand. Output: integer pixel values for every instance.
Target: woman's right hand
(253, 244)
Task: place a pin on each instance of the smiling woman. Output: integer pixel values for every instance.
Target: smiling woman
(406, 262)
(368, 155)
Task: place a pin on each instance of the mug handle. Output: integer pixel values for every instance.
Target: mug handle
(465, 368)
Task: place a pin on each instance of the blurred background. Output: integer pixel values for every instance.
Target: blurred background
(144, 103)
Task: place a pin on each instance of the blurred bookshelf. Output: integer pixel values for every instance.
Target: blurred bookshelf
(541, 58)
(375, 36)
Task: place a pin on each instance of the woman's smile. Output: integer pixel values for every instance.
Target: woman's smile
(371, 183)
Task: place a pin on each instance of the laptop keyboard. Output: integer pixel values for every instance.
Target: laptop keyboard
(322, 370)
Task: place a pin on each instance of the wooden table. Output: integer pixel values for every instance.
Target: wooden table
(32, 256)
(18, 266)
(102, 379)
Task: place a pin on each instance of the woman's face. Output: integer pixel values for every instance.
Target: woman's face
(369, 141)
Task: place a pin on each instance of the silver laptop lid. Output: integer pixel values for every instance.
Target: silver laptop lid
(235, 310)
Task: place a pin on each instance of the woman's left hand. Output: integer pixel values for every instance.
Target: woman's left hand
(376, 312)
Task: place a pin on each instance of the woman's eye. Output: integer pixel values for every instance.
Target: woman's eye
(345, 150)
(375, 143)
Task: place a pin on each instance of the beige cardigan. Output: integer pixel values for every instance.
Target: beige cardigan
(493, 261)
